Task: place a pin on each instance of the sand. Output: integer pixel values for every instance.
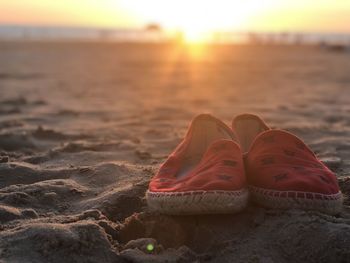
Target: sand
(84, 126)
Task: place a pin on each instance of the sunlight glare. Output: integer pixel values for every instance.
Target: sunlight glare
(198, 19)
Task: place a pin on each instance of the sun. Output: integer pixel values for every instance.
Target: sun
(196, 35)
(198, 19)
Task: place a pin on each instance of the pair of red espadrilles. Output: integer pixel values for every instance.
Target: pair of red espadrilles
(216, 169)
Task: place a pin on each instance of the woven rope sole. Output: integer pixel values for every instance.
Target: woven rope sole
(197, 202)
(330, 204)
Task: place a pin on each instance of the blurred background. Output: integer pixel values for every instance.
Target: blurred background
(287, 21)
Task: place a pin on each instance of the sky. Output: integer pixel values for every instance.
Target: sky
(191, 16)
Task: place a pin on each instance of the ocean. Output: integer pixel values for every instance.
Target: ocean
(56, 33)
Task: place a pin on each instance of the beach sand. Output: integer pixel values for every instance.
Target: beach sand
(84, 126)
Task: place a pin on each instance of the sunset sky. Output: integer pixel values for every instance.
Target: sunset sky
(191, 16)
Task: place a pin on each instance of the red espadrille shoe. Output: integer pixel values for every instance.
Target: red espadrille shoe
(204, 174)
(246, 127)
(284, 173)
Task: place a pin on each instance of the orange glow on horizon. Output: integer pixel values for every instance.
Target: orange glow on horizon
(196, 18)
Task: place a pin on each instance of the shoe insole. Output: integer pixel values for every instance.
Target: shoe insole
(205, 132)
(247, 129)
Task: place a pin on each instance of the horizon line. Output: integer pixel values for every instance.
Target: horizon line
(164, 29)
